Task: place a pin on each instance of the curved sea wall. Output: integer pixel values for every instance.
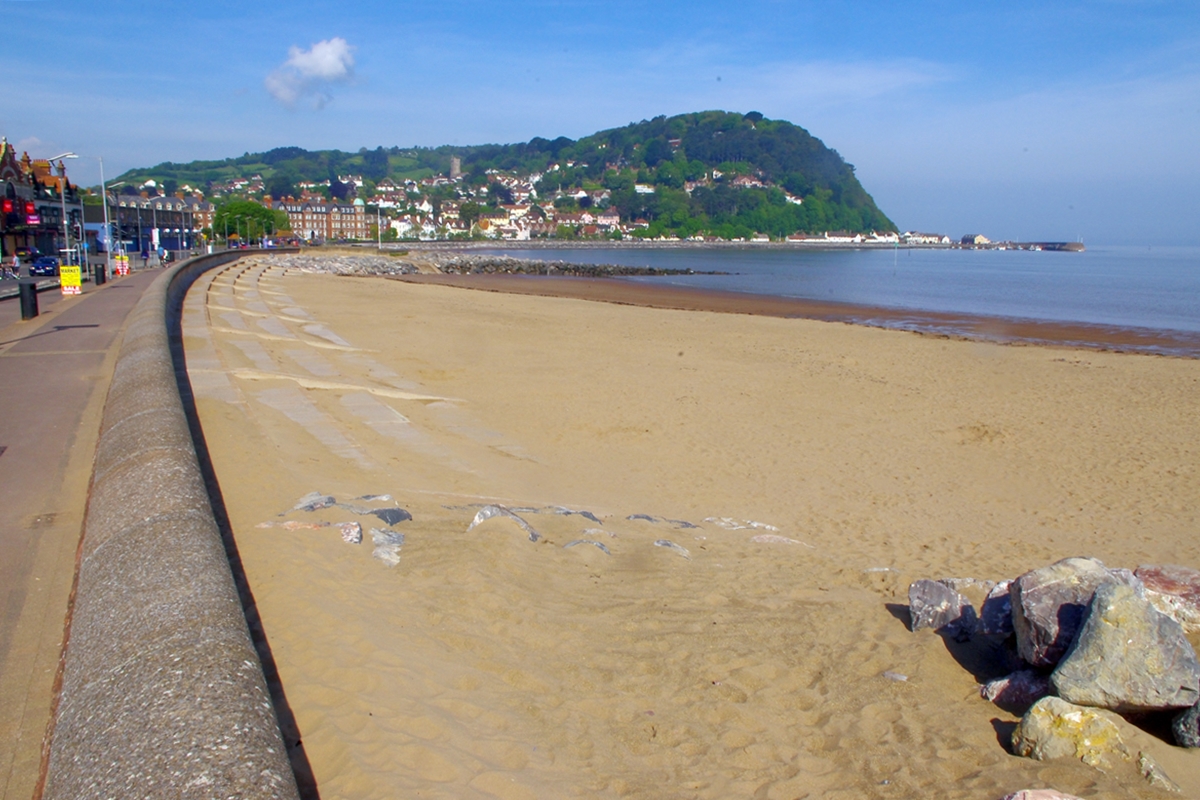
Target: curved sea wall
(163, 694)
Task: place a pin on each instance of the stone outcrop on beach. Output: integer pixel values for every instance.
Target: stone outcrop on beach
(1049, 604)
(1175, 591)
(1128, 657)
(934, 605)
(1089, 637)
(1054, 728)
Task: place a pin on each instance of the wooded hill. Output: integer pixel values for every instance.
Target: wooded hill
(672, 154)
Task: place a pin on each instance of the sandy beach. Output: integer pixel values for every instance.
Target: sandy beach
(727, 619)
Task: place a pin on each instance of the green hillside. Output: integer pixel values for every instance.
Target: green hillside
(667, 153)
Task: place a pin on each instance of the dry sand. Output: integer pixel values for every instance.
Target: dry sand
(485, 665)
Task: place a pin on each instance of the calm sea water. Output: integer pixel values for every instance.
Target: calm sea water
(1127, 287)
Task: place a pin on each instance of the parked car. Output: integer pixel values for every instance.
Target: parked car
(45, 266)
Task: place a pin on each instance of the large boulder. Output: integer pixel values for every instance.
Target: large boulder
(1186, 727)
(1048, 606)
(1175, 591)
(1054, 728)
(1128, 657)
(934, 605)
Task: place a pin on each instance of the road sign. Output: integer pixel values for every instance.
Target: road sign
(70, 278)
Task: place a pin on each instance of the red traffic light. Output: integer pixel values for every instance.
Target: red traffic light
(8, 206)
(29, 208)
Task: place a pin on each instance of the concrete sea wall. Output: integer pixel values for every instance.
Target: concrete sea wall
(162, 694)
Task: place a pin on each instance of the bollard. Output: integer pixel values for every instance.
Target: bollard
(101, 275)
(29, 305)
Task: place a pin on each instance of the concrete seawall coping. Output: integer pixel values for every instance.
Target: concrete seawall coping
(163, 694)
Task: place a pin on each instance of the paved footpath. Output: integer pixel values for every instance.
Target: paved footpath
(54, 375)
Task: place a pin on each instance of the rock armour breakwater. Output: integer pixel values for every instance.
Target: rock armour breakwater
(459, 264)
(454, 263)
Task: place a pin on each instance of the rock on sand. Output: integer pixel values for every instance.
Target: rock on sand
(934, 605)
(1128, 657)
(1055, 729)
(1048, 606)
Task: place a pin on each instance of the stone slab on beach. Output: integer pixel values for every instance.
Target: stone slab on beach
(934, 605)
(1054, 729)
(1175, 591)
(1049, 604)
(1128, 657)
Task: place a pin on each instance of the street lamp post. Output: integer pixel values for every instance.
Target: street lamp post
(62, 196)
(107, 227)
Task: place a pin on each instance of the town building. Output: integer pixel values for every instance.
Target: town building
(320, 221)
(32, 202)
(143, 223)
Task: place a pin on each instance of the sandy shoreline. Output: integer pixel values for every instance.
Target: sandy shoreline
(993, 329)
(486, 665)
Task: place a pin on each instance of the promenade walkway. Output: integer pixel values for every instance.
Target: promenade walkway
(54, 376)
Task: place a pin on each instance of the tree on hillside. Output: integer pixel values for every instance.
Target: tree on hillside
(282, 184)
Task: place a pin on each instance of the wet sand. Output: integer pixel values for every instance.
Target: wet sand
(824, 467)
(982, 328)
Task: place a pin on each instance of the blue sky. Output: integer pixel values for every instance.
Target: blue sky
(1052, 120)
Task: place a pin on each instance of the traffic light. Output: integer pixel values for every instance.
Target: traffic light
(7, 206)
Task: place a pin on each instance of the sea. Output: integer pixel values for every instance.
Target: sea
(1126, 287)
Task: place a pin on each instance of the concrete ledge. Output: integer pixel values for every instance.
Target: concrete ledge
(163, 694)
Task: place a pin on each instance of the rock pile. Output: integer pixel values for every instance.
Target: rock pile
(1094, 642)
(469, 264)
(339, 264)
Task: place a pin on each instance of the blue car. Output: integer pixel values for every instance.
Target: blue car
(45, 266)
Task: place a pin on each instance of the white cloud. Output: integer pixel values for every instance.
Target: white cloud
(29, 143)
(309, 73)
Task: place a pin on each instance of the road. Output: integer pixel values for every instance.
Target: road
(54, 375)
